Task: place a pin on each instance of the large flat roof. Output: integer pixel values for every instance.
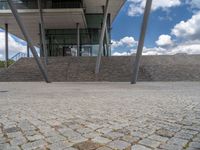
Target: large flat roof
(95, 6)
(57, 18)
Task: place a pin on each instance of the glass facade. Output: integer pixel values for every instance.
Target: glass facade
(63, 42)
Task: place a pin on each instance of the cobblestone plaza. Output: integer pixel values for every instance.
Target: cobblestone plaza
(102, 116)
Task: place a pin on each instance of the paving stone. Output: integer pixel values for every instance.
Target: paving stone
(104, 148)
(87, 145)
(168, 146)
(2, 140)
(13, 148)
(177, 141)
(165, 133)
(195, 145)
(120, 145)
(114, 135)
(149, 143)
(196, 139)
(60, 145)
(69, 133)
(92, 135)
(14, 134)
(184, 135)
(131, 139)
(101, 140)
(84, 130)
(54, 113)
(35, 137)
(18, 141)
(77, 139)
(55, 139)
(4, 146)
(158, 138)
(70, 148)
(139, 134)
(13, 129)
(139, 147)
(34, 145)
(191, 148)
(104, 130)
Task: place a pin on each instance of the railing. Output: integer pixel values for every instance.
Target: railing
(47, 4)
(17, 56)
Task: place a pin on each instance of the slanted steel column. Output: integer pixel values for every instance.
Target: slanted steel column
(141, 42)
(41, 45)
(78, 39)
(107, 36)
(28, 54)
(98, 61)
(107, 42)
(28, 39)
(44, 46)
(6, 46)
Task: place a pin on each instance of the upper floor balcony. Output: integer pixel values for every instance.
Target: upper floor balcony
(46, 4)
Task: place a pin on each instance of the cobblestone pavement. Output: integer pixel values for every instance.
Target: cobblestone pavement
(102, 116)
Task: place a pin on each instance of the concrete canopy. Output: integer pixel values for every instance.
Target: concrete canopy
(56, 18)
(53, 18)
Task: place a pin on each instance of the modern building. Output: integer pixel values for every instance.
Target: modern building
(66, 28)
(72, 27)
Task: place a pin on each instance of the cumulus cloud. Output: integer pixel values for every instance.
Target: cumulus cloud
(126, 41)
(136, 7)
(14, 46)
(188, 29)
(164, 40)
(121, 54)
(193, 3)
(183, 48)
(186, 47)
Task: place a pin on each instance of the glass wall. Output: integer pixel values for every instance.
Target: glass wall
(60, 42)
(32, 4)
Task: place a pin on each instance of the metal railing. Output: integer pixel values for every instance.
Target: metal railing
(17, 56)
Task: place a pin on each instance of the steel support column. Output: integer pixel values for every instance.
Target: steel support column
(98, 61)
(44, 46)
(141, 42)
(107, 37)
(107, 42)
(6, 46)
(28, 39)
(78, 39)
(41, 45)
(28, 54)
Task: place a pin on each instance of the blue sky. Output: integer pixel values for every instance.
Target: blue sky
(167, 19)
(173, 28)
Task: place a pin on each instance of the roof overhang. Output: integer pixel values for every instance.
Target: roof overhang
(95, 6)
(53, 19)
(57, 18)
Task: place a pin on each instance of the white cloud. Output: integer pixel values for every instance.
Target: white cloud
(193, 3)
(191, 47)
(1, 56)
(164, 40)
(188, 29)
(14, 46)
(126, 41)
(187, 47)
(136, 7)
(120, 54)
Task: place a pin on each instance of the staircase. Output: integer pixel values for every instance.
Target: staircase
(113, 69)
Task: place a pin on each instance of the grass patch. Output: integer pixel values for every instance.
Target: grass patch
(2, 63)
